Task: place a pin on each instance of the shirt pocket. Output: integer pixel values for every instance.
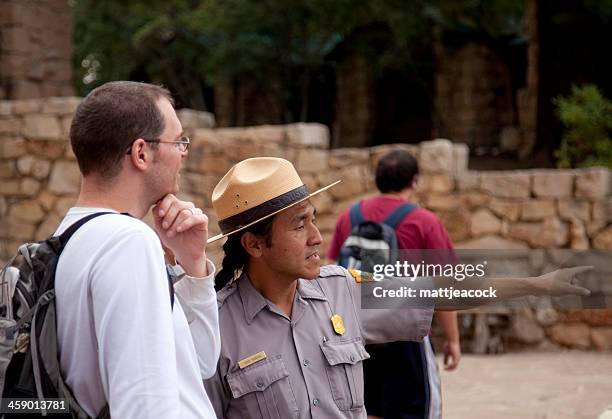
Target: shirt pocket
(345, 371)
(263, 390)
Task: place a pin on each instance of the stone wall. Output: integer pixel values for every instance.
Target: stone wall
(39, 181)
(35, 49)
(473, 97)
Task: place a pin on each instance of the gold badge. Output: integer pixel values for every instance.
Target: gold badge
(361, 276)
(338, 324)
(252, 359)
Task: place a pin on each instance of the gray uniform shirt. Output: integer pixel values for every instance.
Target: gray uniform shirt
(309, 370)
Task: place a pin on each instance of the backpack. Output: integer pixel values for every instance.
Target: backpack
(371, 243)
(29, 360)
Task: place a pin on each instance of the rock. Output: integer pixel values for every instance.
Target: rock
(48, 226)
(239, 151)
(468, 180)
(539, 209)
(66, 123)
(593, 183)
(342, 157)
(60, 105)
(457, 223)
(11, 148)
(308, 135)
(461, 155)
(594, 227)
(10, 126)
(48, 149)
(27, 212)
(312, 161)
(511, 184)
(603, 240)
(507, 209)
(524, 327)
(491, 242)
(435, 183)
(546, 316)
(46, 200)
(553, 183)
(65, 178)
(327, 223)
(527, 232)
(310, 180)
(25, 106)
(261, 134)
(484, 222)
(570, 209)
(602, 338)
(323, 203)
(9, 187)
(192, 119)
(574, 335)
(592, 317)
(69, 154)
(436, 156)
(553, 233)
(42, 127)
(24, 164)
(474, 199)
(6, 107)
(353, 180)
(8, 169)
(550, 233)
(62, 205)
(21, 231)
(578, 236)
(441, 202)
(29, 187)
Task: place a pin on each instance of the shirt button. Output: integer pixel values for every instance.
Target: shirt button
(315, 402)
(306, 362)
(260, 383)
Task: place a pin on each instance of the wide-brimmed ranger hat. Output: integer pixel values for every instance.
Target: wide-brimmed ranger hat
(256, 189)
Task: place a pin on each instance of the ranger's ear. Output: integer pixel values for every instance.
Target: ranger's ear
(253, 244)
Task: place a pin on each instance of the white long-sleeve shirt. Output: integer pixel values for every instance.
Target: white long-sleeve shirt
(119, 339)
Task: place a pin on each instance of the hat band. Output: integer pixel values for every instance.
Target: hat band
(241, 219)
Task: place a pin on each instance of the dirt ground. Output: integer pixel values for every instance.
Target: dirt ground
(564, 385)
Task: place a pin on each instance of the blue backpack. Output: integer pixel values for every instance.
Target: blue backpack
(371, 243)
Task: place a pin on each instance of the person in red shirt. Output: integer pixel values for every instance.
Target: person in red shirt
(401, 378)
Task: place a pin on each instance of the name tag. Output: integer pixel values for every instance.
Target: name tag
(252, 359)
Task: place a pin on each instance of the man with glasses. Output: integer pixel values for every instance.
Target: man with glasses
(126, 347)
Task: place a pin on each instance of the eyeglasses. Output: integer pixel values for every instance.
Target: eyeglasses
(182, 143)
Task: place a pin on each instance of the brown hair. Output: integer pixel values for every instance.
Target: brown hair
(109, 119)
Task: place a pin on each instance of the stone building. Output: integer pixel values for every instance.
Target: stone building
(35, 49)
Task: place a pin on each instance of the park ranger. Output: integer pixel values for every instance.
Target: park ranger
(292, 332)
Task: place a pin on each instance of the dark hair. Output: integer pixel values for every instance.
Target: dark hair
(108, 121)
(396, 171)
(236, 257)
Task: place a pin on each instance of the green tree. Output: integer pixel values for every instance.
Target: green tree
(587, 117)
(189, 45)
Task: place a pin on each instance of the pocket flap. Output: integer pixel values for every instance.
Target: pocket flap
(344, 352)
(257, 377)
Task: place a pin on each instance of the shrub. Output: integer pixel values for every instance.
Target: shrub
(587, 118)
